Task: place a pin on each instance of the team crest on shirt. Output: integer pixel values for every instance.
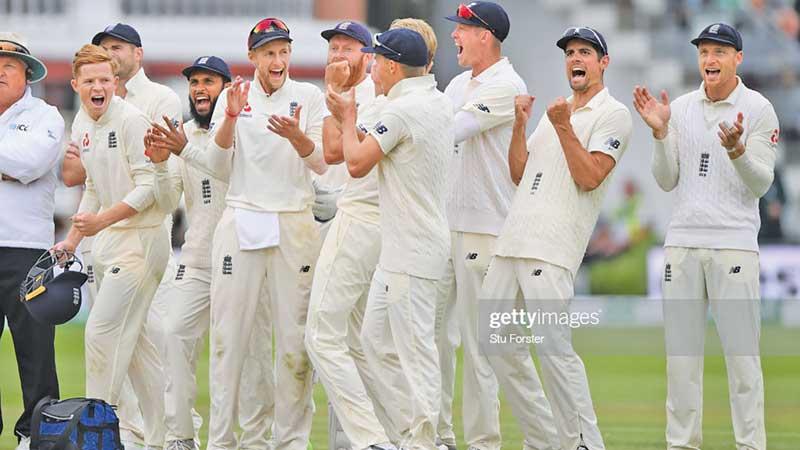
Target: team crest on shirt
(112, 139)
(205, 188)
(612, 144)
(292, 108)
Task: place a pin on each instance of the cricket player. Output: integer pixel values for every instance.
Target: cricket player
(132, 245)
(339, 291)
(480, 192)
(716, 146)
(124, 44)
(409, 145)
(330, 186)
(562, 174)
(187, 318)
(267, 237)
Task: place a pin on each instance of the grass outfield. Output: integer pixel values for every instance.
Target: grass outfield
(628, 391)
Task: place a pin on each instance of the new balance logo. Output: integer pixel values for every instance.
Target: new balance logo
(536, 272)
(472, 256)
(205, 188)
(380, 128)
(180, 273)
(115, 270)
(482, 107)
(668, 273)
(227, 265)
(112, 139)
(735, 269)
(305, 269)
(90, 273)
(537, 180)
(704, 160)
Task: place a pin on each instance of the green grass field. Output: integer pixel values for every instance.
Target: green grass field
(628, 390)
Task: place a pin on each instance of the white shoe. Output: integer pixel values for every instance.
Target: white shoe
(24, 443)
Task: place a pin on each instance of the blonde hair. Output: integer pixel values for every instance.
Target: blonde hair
(92, 54)
(421, 27)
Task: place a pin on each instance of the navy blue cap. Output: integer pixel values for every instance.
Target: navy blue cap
(352, 29)
(722, 33)
(587, 34)
(120, 31)
(267, 30)
(401, 45)
(211, 64)
(486, 15)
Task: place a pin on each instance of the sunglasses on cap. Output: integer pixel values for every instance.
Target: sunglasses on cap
(270, 24)
(465, 12)
(586, 34)
(376, 43)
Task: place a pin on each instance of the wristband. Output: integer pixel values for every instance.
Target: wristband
(229, 114)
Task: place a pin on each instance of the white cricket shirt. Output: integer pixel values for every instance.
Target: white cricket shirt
(415, 132)
(112, 151)
(154, 99)
(717, 199)
(481, 189)
(551, 219)
(204, 196)
(267, 174)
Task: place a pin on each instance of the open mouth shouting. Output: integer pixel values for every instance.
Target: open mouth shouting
(712, 74)
(202, 102)
(578, 75)
(276, 75)
(98, 100)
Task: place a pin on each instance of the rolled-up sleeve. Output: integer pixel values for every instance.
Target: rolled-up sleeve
(33, 147)
(142, 171)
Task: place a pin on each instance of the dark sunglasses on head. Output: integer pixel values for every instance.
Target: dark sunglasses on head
(465, 12)
(269, 24)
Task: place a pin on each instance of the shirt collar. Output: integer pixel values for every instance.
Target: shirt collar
(492, 70)
(732, 98)
(412, 84)
(137, 83)
(595, 102)
(22, 103)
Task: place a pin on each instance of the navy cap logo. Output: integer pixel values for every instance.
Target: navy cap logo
(110, 28)
(714, 29)
(203, 60)
(344, 25)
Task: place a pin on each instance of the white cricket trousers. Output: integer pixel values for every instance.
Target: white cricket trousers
(728, 281)
(547, 288)
(185, 325)
(278, 278)
(338, 299)
(128, 266)
(400, 346)
(457, 320)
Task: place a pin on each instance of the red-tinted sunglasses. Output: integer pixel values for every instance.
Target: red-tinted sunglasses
(269, 24)
(465, 12)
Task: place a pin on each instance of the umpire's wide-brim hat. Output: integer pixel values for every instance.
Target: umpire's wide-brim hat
(14, 44)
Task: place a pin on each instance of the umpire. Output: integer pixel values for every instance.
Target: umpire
(31, 134)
